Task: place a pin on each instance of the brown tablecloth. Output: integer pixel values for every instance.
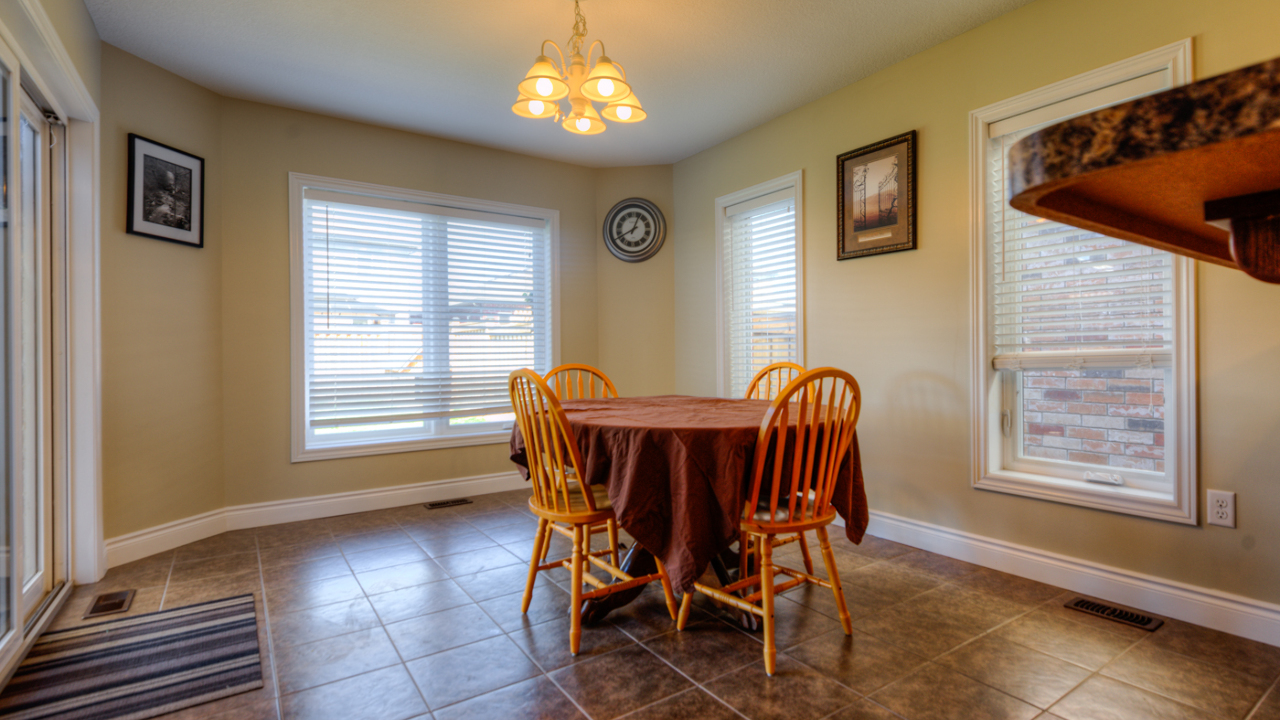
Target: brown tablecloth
(677, 471)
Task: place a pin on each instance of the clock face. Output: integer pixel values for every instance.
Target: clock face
(634, 230)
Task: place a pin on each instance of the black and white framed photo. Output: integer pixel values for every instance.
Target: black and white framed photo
(166, 193)
(876, 198)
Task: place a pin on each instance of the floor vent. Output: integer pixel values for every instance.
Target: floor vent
(1128, 617)
(110, 604)
(448, 503)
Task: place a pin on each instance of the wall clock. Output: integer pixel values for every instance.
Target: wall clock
(634, 230)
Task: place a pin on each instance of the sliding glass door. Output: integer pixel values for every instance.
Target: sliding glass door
(30, 333)
(33, 528)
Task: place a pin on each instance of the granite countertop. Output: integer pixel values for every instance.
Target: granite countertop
(1230, 106)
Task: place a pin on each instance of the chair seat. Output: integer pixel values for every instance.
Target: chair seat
(763, 515)
(578, 506)
(599, 493)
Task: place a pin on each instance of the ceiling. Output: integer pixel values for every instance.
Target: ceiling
(706, 70)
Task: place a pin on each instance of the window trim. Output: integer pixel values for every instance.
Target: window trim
(795, 183)
(985, 435)
(297, 381)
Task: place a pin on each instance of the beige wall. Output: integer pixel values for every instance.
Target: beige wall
(636, 300)
(196, 342)
(900, 322)
(261, 146)
(161, 313)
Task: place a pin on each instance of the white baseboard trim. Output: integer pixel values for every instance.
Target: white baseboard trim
(1235, 614)
(140, 544)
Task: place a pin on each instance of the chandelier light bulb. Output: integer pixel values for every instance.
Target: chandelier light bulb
(536, 107)
(624, 113)
(543, 86)
(606, 87)
(583, 124)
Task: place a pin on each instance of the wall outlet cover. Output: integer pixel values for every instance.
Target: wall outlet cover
(1222, 508)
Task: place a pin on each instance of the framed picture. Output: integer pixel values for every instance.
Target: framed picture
(166, 193)
(877, 198)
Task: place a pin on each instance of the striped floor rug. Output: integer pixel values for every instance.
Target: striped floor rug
(139, 667)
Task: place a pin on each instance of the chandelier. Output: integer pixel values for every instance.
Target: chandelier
(546, 84)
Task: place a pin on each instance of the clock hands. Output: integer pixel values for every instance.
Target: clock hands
(627, 230)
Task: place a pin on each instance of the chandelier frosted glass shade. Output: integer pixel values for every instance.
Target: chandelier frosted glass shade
(626, 110)
(543, 81)
(605, 83)
(535, 109)
(585, 121)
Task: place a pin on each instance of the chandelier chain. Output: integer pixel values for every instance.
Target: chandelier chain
(579, 29)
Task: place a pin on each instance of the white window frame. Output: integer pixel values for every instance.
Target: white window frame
(989, 470)
(297, 183)
(793, 182)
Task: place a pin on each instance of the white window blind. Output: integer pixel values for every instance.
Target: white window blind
(759, 286)
(415, 314)
(1063, 296)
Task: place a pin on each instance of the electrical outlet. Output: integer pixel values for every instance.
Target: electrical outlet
(1222, 508)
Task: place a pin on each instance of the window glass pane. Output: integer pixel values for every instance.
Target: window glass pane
(32, 528)
(414, 319)
(1061, 288)
(760, 291)
(1111, 418)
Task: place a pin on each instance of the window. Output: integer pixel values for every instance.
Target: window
(409, 311)
(1084, 362)
(761, 318)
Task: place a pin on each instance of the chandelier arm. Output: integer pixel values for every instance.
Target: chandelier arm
(624, 70)
(592, 49)
(542, 51)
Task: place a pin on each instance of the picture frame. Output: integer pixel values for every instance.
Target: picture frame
(876, 198)
(166, 193)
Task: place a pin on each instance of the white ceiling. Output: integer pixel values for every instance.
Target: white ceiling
(706, 70)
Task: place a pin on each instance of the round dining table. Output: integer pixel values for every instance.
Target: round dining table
(677, 471)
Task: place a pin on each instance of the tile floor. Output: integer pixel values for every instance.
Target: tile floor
(415, 613)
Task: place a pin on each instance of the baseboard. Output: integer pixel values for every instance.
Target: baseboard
(1235, 614)
(140, 544)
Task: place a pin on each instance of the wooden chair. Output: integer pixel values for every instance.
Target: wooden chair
(575, 381)
(768, 384)
(825, 403)
(571, 382)
(772, 379)
(564, 505)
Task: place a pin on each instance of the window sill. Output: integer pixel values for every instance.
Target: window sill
(1119, 499)
(331, 452)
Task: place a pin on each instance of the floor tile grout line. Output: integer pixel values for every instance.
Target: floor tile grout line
(546, 674)
(1153, 691)
(671, 665)
(266, 618)
(1258, 705)
(173, 560)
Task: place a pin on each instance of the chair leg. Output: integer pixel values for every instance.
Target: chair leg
(575, 603)
(804, 550)
(666, 588)
(613, 542)
(765, 544)
(744, 554)
(685, 603)
(546, 546)
(829, 558)
(533, 564)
